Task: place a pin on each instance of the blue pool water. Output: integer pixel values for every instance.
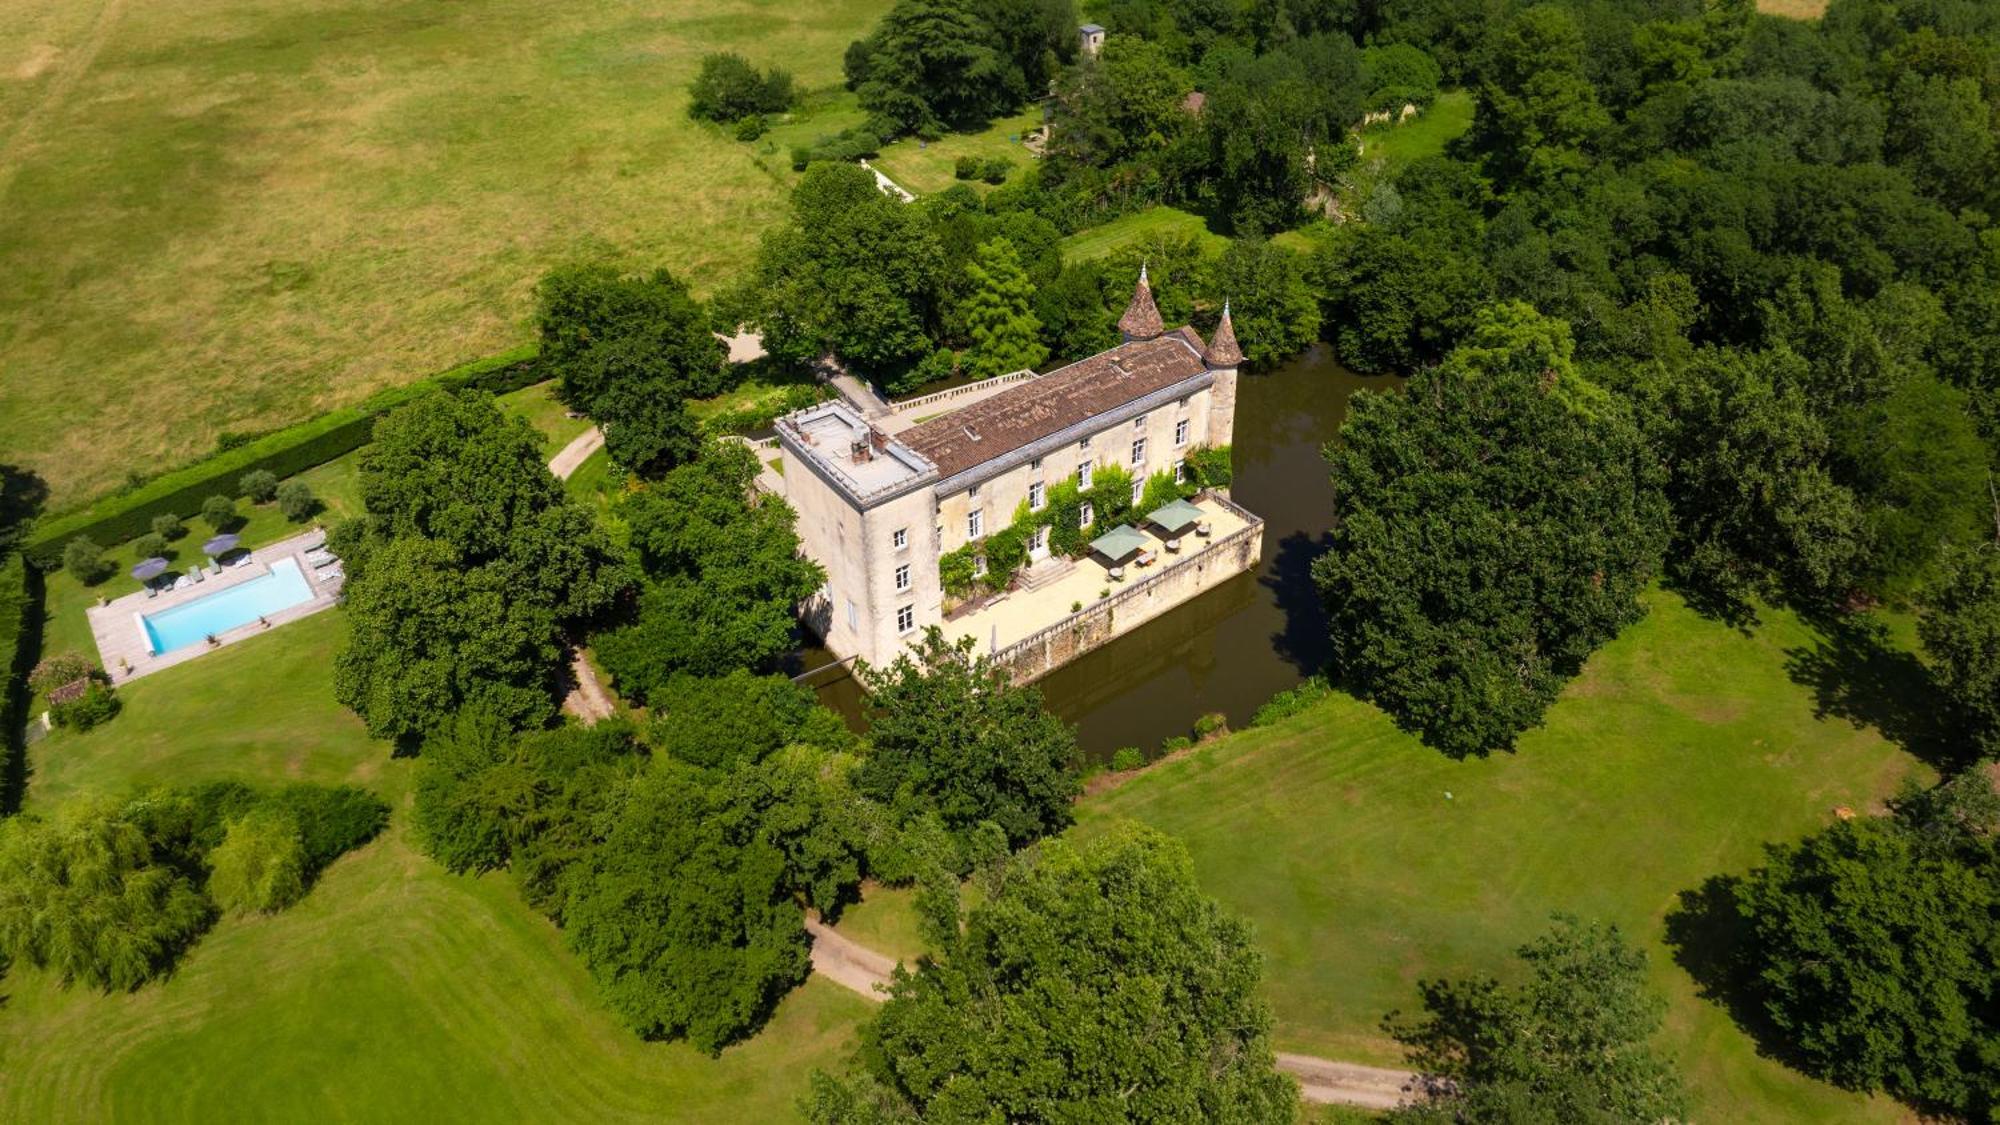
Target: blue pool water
(224, 610)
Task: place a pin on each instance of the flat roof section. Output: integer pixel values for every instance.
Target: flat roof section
(860, 458)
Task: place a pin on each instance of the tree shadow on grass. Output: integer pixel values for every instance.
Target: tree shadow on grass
(1710, 939)
(1857, 673)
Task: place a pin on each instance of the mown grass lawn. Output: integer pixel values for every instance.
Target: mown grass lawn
(550, 418)
(1367, 861)
(928, 168)
(1442, 122)
(394, 991)
(1111, 237)
(231, 214)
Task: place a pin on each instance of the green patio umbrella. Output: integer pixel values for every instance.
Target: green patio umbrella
(1119, 544)
(1175, 518)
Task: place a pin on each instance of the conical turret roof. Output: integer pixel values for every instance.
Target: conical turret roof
(1222, 350)
(1142, 317)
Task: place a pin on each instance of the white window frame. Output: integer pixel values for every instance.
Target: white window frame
(853, 616)
(1139, 424)
(979, 566)
(906, 619)
(1181, 432)
(1138, 490)
(1138, 451)
(1038, 496)
(900, 538)
(903, 577)
(975, 523)
(1180, 472)
(1085, 515)
(1083, 473)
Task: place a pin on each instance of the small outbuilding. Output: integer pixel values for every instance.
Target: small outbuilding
(1090, 39)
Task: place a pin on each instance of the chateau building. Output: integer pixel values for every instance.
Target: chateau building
(878, 505)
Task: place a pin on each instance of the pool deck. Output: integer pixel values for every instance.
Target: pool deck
(121, 638)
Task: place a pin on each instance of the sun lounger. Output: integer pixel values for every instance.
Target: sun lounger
(152, 591)
(198, 575)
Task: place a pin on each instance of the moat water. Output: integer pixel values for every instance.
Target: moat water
(1235, 646)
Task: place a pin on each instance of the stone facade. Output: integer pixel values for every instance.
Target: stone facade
(878, 511)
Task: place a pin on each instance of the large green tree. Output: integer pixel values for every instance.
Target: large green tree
(1960, 628)
(1568, 1046)
(83, 895)
(1538, 112)
(999, 314)
(1096, 984)
(950, 732)
(1495, 523)
(932, 65)
(1273, 310)
(854, 273)
(723, 575)
(580, 308)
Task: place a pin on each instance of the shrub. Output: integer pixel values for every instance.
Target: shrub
(1292, 701)
(62, 668)
(149, 545)
(296, 501)
(97, 704)
(85, 561)
(19, 632)
(1175, 745)
(219, 512)
(260, 485)
(1209, 466)
(727, 88)
(996, 169)
(750, 128)
(332, 819)
(1211, 725)
(167, 526)
(1125, 759)
(966, 168)
(260, 865)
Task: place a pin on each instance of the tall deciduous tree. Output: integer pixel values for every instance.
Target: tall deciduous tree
(932, 65)
(1569, 1046)
(1538, 112)
(1274, 312)
(1960, 628)
(999, 314)
(949, 731)
(579, 308)
(1494, 525)
(1098, 983)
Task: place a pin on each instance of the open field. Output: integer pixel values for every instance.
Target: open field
(927, 168)
(394, 991)
(225, 216)
(1437, 126)
(1367, 861)
(1111, 237)
(1795, 9)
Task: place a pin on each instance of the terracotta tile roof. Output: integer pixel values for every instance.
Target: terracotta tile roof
(1222, 350)
(1142, 317)
(1030, 411)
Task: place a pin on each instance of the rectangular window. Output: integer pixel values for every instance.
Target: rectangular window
(906, 619)
(979, 566)
(903, 577)
(1181, 432)
(975, 525)
(1083, 444)
(1180, 472)
(900, 538)
(1139, 452)
(973, 492)
(1037, 497)
(1139, 423)
(1084, 515)
(1138, 489)
(1035, 464)
(853, 618)
(1083, 475)
(1184, 402)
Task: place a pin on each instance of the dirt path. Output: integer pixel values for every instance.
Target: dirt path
(70, 70)
(576, 452)
(588, 701)
(1322, 1081)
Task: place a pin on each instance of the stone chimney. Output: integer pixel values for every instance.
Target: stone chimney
(1142, 317)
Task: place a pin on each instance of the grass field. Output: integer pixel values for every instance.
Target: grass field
(926, 168)
(394, 991)
(1367, 862)
(1437, 126)
(1100, 241)
(229, 214)
(1795, 9)
(550, 418)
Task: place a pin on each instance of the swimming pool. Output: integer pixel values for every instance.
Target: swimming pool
(224, 610)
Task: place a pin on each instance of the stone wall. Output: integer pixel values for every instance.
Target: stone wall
(1130, 608)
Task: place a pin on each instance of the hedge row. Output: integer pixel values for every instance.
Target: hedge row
(18, 620)
(120, 516)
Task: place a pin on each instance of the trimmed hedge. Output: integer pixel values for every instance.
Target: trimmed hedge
(18, 620)
(120, 516)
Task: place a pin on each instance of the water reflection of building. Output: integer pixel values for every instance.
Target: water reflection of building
(880, 499)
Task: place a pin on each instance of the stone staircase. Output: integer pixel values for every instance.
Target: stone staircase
(1048, 570)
